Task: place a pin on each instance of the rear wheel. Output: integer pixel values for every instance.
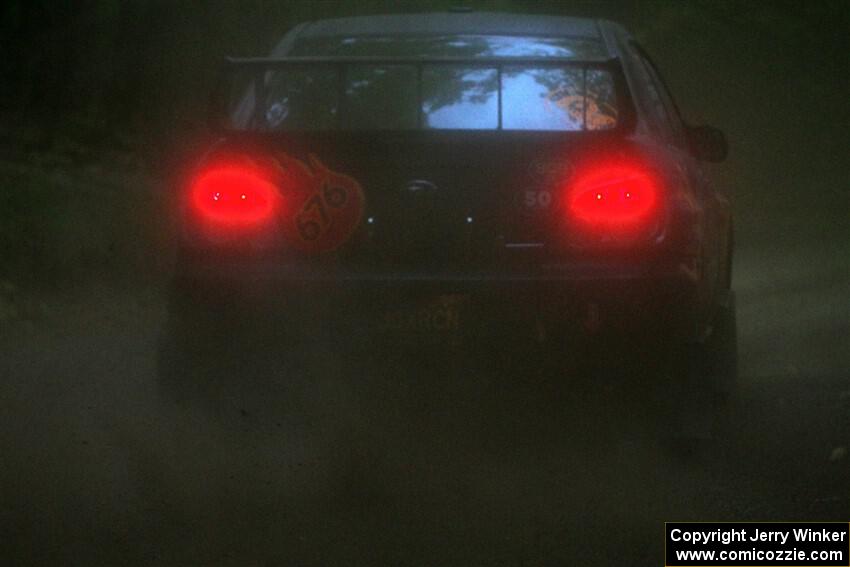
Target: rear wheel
(234, 349)
(198, 334)
(704, 377)
(722, 351)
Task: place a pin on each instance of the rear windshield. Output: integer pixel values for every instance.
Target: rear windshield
(454, 96)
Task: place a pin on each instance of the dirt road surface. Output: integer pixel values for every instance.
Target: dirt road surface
(451, 465)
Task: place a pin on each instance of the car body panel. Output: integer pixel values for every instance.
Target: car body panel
(456, 211)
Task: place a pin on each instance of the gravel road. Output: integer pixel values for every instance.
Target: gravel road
(97, 469)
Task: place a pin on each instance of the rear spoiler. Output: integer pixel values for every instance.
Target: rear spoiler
(261, 65)
(497, 62)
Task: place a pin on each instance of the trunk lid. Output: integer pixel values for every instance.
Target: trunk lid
(451, 200)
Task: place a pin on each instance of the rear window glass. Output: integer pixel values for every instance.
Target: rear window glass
(380, 97)
(558, 99)
(460, 97)
(454, 96)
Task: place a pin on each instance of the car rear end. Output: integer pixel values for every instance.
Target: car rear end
(444, 184)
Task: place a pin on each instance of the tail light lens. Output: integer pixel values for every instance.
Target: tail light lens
(234, 195)
(614, 200)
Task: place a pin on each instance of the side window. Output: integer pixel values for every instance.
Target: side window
(662, 102)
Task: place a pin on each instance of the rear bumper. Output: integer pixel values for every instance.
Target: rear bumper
(589, 298)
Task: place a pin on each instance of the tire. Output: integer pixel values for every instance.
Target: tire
(226, 349)
(199, 327)
(705, 376)
(722, 351)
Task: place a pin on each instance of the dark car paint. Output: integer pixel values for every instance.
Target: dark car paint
(684, 269)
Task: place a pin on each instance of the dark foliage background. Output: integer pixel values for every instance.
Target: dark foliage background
(102, 99)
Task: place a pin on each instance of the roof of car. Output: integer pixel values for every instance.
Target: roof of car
(438, 23)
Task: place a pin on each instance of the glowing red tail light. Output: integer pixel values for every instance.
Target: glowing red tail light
(614, 198)
(234, 195)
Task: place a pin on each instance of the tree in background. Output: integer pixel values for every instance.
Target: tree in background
(137, 72)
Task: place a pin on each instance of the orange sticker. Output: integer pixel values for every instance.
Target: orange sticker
(323, 207)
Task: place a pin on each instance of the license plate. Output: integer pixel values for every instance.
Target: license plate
(439, 315)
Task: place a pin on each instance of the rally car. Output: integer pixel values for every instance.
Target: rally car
(452, 174)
